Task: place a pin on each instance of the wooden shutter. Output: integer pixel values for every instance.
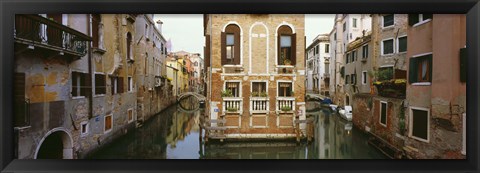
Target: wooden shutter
(120, 85)
(236, 54)
(412, 19)
(279, 53)
(207, 51)
(463, 65)
(112, 86)
(223, 47)
(294, 49)
(412, 70)
(95, 23)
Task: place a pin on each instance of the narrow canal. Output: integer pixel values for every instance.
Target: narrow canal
(173, 134)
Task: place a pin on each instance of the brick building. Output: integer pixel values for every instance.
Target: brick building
(256, 85)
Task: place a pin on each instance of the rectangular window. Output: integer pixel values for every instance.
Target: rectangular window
(316, 49)
(354, 55)
(117, 84)
(84, 128)
(402, 44)
(364, 77)
(259, 88)
(348, 58)
(327, 48)
(420, 69)
(108, 123)
(234, 87)
(383, 113)
(418, 18)
(130, 84)
(100, 84)
(230, 47)
(130, 115)
(327, 68)
(285, 89)
(388, 20)
(354, 23)
(335, 36)
(344, 27)
(365, 51)
(347, 78)
(419, 124)
(387, 47)
(79, 84)
(285, 49)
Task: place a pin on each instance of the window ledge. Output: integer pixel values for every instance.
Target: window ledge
(422, 84)
(78, 97)
(232, 65)
(285, 66)
(99, 95)
(390, 54)
(422, 22)
(388, 27)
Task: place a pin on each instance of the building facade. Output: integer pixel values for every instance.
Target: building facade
(435, 114)
(318, 65)
(256, 75)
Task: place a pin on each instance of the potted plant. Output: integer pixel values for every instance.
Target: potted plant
(227, 93)
(263, 94)
(286, 108)
(255, 94)
(287, 62)
(231, 109)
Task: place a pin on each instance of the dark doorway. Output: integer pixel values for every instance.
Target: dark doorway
(52, 147)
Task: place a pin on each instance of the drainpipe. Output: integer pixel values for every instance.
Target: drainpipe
(90, 103)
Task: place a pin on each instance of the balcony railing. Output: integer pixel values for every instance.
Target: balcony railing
(285, 104)
(22, 112)
(259, 105)
(232, 105)
(31, 29)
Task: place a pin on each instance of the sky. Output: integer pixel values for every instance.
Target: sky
(186, 30)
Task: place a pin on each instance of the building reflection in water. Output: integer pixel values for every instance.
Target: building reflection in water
(173, 134)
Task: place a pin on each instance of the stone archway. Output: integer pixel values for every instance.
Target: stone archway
(56, 144)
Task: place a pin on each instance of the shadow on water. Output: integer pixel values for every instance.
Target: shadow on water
(173, 134)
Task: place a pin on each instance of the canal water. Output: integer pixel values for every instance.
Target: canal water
(174, 134)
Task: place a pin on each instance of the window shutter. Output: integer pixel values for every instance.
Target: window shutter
(223, 48)
(112, 82)
(463, 65)
(236, 54)
(412, 19)
(120, 85)
(207, 51)
(279, 54)
(412, 70)
(294, 49)
(430, 67)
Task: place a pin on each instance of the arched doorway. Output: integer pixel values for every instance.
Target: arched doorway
(57, 144)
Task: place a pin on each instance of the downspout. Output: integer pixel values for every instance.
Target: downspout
(90, 103)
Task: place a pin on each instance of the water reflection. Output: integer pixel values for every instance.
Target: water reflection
(173, 134)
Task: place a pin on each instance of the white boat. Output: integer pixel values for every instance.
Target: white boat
(333, 107)
(346, 113)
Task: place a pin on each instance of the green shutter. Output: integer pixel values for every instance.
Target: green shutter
(463, 65)
(430, 65)
(412, 71)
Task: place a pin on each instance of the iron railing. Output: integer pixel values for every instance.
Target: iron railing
(36, 30)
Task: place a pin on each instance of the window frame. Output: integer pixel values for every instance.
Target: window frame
(398, 44)
(87, 126)
(129, 47)
(410, 123)
(327, 48)
(105, 131)
(364, 77)
(421, 21)
(365, 51)
(239, 87)
(382, 46)
(79, 85)
(223, 44)
(128, 115)
(104, 84)
(354, 22)
(383, 21)
(417, 82)
(130, 84)
(380, 113)
(285, 81)
(259, 81)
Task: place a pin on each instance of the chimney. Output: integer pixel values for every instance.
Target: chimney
(159, 25)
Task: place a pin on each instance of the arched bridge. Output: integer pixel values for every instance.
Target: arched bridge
(198, 96)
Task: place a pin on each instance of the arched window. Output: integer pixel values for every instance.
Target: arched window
(231, 45)
(129, 46)
(286, 46)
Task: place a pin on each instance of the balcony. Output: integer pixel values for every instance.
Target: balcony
(285, 104)
(259, 105)
(232, 105)
(36, 31)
